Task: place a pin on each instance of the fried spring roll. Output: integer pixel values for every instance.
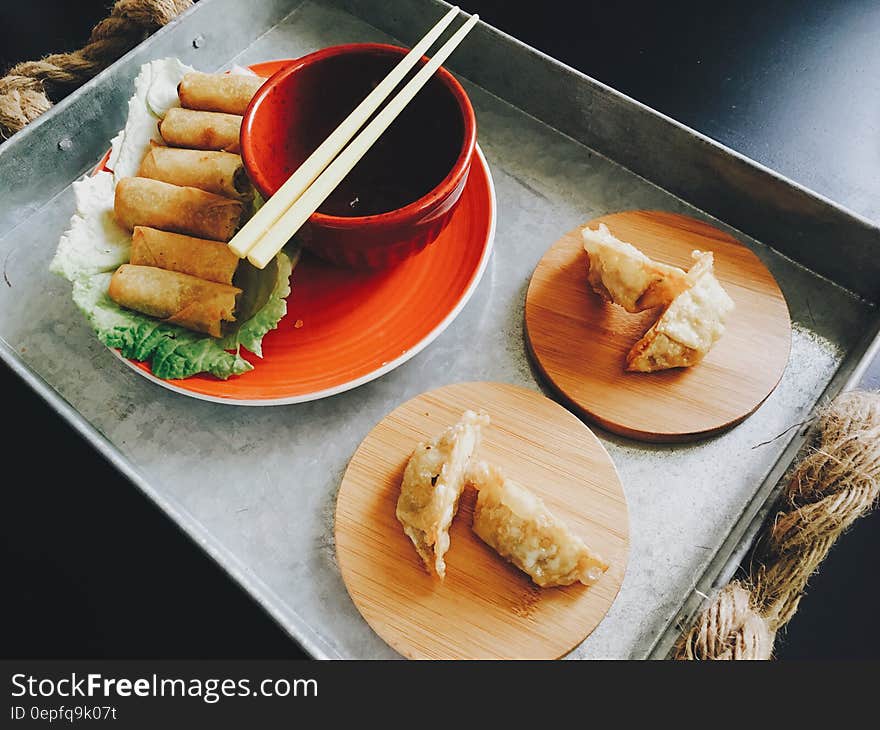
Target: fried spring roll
(229, 93)
(210, 260)
(201, 130)
(144, 202)
(177, 298)
(216, 172)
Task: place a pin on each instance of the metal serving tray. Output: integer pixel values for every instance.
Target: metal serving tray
(256, 487)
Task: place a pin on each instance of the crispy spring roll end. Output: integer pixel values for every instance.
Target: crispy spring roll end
(201, 130)
(242, 184)
(205, 259)
(221, 173)
(198, 305)
(227, 93)
(142, 201)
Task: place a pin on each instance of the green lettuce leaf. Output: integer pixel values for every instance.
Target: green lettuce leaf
(272, 305)
(173, 351)
(95, 245)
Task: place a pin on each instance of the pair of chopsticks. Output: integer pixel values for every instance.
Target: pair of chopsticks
(263, 236)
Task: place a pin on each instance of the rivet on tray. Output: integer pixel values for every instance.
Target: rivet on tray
(65, 144)
(198, 41)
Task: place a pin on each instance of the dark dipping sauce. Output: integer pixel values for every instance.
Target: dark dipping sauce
(412, 157)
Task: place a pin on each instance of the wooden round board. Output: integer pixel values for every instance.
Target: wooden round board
(580, 342)
(485, 608)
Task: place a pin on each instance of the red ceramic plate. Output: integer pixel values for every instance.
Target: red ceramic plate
(344, 328)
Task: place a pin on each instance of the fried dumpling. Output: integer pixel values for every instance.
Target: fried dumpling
(689, 327)
(622, 274)
(432, 483)
(518, 526)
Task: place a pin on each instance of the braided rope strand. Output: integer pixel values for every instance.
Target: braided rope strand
(731, 628)
(835, 484)
(26, 88)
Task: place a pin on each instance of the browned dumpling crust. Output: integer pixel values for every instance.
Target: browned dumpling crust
(689, 327)
(622, 274)
(518, 526)
(432, 484)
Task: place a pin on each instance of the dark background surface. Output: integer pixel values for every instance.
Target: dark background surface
(92, 569)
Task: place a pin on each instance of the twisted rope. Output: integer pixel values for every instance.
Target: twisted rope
(730, 628)
(837, 482)
(26, 88)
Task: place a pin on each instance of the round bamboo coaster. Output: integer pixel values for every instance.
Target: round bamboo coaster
(485, 608)
(580, 342)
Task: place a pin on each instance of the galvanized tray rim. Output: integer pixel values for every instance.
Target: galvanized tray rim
(267, 598)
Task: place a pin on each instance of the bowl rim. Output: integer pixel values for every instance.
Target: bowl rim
(416, 208)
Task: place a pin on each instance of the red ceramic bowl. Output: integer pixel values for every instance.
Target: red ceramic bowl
(402, 193)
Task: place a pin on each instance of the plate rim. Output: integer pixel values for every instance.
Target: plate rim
(488, 247)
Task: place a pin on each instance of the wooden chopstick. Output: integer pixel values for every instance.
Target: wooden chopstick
(298, 213)
(308, 171)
